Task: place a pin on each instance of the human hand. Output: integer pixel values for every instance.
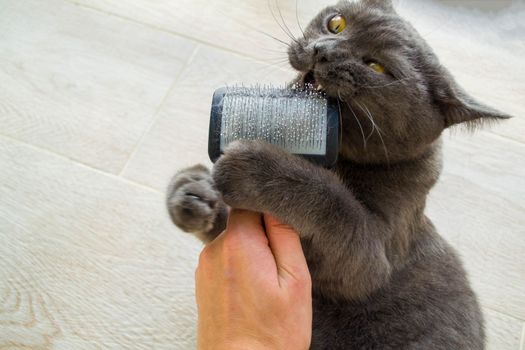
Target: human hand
(253, 289)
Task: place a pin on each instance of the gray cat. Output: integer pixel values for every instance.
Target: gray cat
(382, 276)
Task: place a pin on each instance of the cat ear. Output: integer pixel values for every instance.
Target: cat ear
(458, 107)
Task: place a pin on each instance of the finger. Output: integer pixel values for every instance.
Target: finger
(246, 226)
(245, 246)
(286, 248)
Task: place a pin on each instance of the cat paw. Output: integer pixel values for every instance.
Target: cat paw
(193, 202)
(244, 172)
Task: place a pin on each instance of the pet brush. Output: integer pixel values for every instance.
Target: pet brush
(302, 121)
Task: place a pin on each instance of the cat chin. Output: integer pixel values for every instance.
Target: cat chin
(343, 94)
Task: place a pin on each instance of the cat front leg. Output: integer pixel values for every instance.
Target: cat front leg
(342, 240)
(194, 203)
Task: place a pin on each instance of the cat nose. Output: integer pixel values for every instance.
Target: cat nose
(323, 50)
(320, 53)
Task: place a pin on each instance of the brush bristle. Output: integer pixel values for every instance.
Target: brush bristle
(295, 119)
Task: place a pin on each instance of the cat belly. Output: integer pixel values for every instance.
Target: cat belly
(427, 305)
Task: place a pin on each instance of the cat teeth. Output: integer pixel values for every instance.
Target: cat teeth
(319, 87)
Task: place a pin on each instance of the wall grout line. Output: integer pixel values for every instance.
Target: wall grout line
(171, 32)
(156, 113)
(79, 163)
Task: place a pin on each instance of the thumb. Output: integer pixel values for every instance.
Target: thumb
(286, 248)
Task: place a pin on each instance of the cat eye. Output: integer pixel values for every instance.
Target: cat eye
(378, 68)
(337, 24)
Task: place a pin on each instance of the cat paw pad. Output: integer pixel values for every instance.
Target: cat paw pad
(193, 202)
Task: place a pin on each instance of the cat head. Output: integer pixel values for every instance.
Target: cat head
(394, 95)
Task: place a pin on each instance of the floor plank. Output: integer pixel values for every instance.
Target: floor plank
(522, 347)
(81, 84)
(489, 161)
(88, 261)
(503, 332)
(487, 230)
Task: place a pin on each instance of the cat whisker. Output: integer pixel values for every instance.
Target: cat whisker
(281, 53)
(389, 84)
(395, 82)
(272, 37)
(276, 59)
(370, 114)
(259, 31)
(276, 63)
(375, 127)
(380, 133)
(297, 18)
(356, 119)
(279, 23)
(284, 22)
(367, 114)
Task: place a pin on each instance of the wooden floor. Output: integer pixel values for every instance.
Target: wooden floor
(101, 101)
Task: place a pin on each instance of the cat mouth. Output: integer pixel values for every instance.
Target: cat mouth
(309, 80)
